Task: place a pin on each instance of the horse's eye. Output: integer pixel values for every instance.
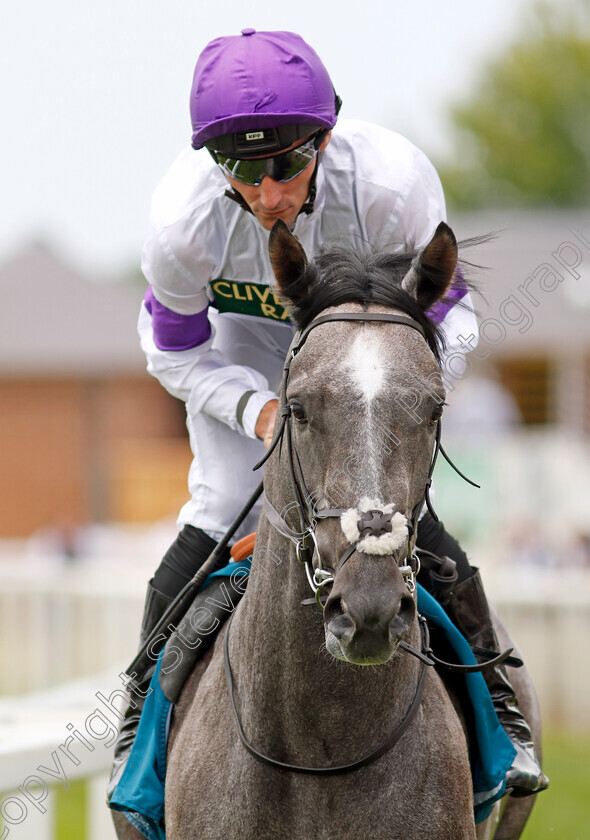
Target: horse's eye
(298, 412)
(436, 415)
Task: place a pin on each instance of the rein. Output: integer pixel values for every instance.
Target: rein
(340, 768)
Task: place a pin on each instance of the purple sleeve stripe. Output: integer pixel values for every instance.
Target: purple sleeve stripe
(458, 290)
(173, 331)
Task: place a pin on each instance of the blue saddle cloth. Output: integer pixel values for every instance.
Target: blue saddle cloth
(140, 792)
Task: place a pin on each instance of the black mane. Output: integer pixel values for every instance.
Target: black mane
(341, 276)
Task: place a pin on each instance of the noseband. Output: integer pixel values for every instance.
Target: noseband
(373, 522)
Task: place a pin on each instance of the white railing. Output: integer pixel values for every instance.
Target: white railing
(49, 740)
(548, 616)
(60, 622)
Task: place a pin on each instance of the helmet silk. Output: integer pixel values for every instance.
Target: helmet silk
(259, 92)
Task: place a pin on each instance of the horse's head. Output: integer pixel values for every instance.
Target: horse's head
(363, 399)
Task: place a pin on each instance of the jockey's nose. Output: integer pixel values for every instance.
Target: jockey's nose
(271, 192)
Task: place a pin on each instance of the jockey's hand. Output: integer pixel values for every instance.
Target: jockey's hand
(266, 422)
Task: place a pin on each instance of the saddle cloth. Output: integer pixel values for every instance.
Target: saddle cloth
(140, 792)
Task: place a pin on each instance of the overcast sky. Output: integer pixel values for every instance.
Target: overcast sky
(95, 96)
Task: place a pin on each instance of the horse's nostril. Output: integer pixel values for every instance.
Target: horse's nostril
(336, 619)
(405, 615)
(332, 608)
(341, 626)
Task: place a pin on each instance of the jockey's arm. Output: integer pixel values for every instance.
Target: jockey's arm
(178, 260)
(182, 358)
(420, 209)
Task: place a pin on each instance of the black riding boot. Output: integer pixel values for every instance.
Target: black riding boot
(462, 595)
(156, 604)
(468, 607)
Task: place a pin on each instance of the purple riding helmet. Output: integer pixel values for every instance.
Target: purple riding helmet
(258, 93)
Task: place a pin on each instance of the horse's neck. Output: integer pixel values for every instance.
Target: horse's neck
(287, 683)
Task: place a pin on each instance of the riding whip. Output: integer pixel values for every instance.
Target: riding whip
(180, 604)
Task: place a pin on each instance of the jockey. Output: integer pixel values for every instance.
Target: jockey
(215, 336)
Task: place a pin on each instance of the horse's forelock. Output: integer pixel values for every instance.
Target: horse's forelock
(340, 276)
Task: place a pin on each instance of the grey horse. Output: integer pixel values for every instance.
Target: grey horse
(326, 688)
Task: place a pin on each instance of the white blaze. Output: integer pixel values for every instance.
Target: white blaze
(365, 364)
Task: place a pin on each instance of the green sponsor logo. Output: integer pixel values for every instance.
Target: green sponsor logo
(248, 299)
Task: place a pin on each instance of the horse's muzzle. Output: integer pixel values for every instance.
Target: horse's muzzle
(367, 631)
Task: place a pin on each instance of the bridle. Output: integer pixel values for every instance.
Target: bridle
(305, 540)
(306, 546)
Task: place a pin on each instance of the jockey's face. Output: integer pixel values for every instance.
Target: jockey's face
(272, 200)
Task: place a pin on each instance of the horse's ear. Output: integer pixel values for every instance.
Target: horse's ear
(431, 273)
(288, 261)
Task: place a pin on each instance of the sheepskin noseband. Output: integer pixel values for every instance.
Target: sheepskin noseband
(374, 527)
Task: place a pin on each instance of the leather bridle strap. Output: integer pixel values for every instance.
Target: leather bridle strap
(299, 341)
(277, 521)
(356, 316)
(426, 495)
(342, 768)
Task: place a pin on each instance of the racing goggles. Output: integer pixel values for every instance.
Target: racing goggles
(282, 167)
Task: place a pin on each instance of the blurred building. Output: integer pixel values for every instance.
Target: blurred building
(85, 434)
(534, 313)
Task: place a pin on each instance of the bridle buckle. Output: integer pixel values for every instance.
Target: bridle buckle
(409, 572)
(303, 551)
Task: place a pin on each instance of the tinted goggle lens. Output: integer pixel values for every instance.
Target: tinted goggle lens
(281, 167)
